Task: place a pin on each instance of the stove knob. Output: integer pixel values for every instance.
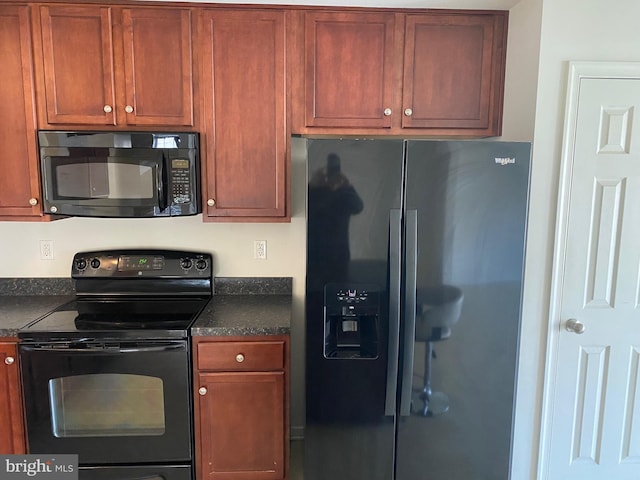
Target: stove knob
(81, 264)
(186, 263)
(95, 263)
(201, 264)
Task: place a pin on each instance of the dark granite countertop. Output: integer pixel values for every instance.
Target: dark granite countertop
(240, 306)
(242, 315)
(247, 306)
(18, 310)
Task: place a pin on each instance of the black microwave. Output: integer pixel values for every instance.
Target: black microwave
(119, 174)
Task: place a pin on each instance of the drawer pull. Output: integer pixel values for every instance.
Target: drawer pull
(202, 390)
(9, 360)
(239, 358)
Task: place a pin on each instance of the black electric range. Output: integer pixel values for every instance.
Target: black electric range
(129, 294)
(107, 376)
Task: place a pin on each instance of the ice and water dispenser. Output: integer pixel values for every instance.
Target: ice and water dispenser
(351, 318)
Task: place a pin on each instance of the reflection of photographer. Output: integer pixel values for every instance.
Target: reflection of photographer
(332, 201)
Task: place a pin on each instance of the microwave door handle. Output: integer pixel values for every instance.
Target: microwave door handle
(161, 181)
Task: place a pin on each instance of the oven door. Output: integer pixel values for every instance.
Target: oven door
(109, 402)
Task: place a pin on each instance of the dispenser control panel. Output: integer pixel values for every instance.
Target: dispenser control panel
(352, 295)
(351, 326)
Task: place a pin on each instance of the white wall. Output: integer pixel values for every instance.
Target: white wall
(232, 244)
(571, 30)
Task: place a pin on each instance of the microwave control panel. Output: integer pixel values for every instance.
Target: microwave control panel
(180, 181)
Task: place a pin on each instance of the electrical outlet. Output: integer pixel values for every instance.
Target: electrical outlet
(260, 249)
(46, 249)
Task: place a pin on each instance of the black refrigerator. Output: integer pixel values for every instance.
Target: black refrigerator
(413, 303)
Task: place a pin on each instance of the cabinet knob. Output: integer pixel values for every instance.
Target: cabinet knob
(387, 112)
(408, 112)
(211, 202)
(9, 360)
(239, 358)
(107, 109)
(33, 202)
(128, 109)
(202, 390)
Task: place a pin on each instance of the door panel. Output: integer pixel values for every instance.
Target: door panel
(595, 409)
(456, 57)
(349, 69)
(78, 68)
(19, 163)
(244, 91)
(352, 187)
(158, 67)
(468, 201)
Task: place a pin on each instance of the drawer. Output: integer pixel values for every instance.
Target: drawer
(241, 356)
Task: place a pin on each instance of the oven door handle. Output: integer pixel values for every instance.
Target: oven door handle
(104, 348)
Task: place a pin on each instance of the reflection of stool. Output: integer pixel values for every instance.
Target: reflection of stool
(437, 310)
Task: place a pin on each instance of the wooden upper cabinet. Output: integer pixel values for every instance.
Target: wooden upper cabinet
(158, 67)
(349, 69)
(12, 437)
(19, 186)
(436, 73)
(245, 137)
(452, 75)
(116, 66)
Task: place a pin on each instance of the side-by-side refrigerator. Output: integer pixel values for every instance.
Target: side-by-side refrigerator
(413, 298)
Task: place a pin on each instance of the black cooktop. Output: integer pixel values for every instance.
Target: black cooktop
(131, 318)
(132, 294)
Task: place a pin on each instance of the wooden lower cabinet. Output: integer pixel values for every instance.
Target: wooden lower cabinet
(241, 408)
(12, 438)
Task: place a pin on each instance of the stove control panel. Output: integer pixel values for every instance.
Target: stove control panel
(142, 263)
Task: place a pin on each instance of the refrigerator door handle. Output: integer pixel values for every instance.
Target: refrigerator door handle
(411, 272)
(395, 240)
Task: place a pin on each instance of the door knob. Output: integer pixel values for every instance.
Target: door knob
(9, 360)
(202, 390)
(574, 326)
(128, 109)
(107, 109)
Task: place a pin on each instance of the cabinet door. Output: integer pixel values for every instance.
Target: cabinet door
(452, 72)
(12, 438)
(78, 64)
(19, 162)
(246, 138)
(157, 67)
(242, 426)
(349, 71)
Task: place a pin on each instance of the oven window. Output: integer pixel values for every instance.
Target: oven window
(110, 404)
(111, 179)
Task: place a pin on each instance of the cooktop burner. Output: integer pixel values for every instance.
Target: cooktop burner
(129, 294)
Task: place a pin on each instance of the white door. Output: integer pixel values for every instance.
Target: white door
(592, 428)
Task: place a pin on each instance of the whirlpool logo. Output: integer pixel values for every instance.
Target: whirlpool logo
(505, 160)
(27, 467)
